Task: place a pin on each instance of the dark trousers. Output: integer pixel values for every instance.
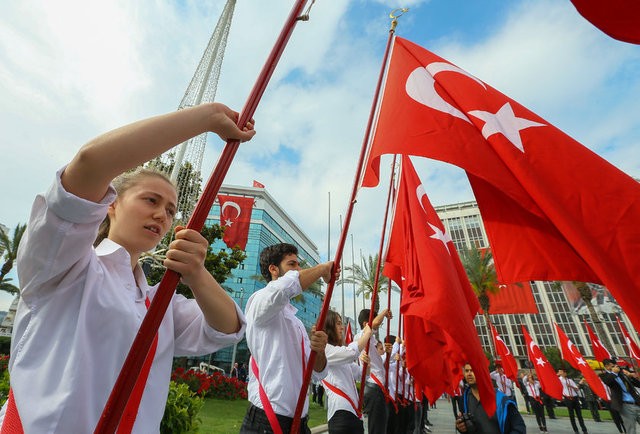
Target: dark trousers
(617, 419)
(538, 410)
(593, 408)
(573, 405)
(256, 422)
(375, 408)
(345, 422)
(393, 418)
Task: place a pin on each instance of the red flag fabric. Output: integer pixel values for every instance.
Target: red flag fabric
(547, 212)
(348, 335)
(438, 303)
(513, 298)
(235, 216)
(509, 363)
(546, 374)
(600, 352)
(571, 354)
(617, 18)
(632, 347)
(257, 184)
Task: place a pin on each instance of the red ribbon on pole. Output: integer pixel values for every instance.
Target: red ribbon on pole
(130, 371)
(295, 425)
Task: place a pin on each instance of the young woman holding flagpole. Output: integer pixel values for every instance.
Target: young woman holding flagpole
(81, 306)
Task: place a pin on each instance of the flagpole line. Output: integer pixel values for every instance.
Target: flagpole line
(295, 425)
(374, 292)
(386, 362)
(114, 408)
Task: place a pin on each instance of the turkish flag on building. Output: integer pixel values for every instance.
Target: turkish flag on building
(600, 352)
(617, 18)
(632, 347)
(438, 303)
(235, 216)
(257, 184)
(348, 335)
(549, 381)
(509, 363)
(571, 354)
(547, 209)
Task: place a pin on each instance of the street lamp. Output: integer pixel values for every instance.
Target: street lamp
(235, 346)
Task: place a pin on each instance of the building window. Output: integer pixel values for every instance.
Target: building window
(239, 280)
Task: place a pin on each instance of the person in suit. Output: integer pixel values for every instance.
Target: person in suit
(624, 396)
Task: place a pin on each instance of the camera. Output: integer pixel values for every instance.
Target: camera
(469, 422)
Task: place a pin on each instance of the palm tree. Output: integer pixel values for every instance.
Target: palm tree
(10, 248)
(481, 271)
(364, 277)
(585, 294)
(5, 285)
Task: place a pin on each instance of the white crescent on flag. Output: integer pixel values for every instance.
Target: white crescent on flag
(228, 221)
(420, 86)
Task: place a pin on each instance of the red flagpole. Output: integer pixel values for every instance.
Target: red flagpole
(295, 426)
(130, 371)
(399, 361)
(374, 295)
(386, 362)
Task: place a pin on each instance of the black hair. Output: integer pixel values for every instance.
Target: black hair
(363, 317)
(273, 255)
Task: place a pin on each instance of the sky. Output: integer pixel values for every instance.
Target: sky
(71, 70)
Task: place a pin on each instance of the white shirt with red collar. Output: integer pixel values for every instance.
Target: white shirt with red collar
(79, 312)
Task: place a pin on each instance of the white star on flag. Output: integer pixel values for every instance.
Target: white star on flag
(581, 361)
(506, 123)
(540, 361)
(228, 222)
(441, 236)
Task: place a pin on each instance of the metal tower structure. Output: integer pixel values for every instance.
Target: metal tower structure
(184, 162)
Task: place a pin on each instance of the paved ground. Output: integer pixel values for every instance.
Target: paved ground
(443, 423)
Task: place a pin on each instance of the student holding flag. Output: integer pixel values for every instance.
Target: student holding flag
(342, 396)
(84, 295)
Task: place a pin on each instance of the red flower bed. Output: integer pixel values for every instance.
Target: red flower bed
(212, 386)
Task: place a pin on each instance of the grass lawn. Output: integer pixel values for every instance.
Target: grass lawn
(225, 417)
(586, 414)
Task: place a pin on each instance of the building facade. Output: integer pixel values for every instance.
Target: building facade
(464, 224)
(270, 224)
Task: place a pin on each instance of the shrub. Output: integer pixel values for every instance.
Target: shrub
(212, 386)
(180, 414)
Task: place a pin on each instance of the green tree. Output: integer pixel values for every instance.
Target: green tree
(10, 247)
(481, 271)
(220, 264)
(6, 285)
(364, 278)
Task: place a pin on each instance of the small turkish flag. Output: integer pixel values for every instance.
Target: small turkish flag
(632, 347)
(235, 216)
(257, 184)
(571, 354)
(600, 352)
(506, 356)
(549, 381)
(348, 335)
